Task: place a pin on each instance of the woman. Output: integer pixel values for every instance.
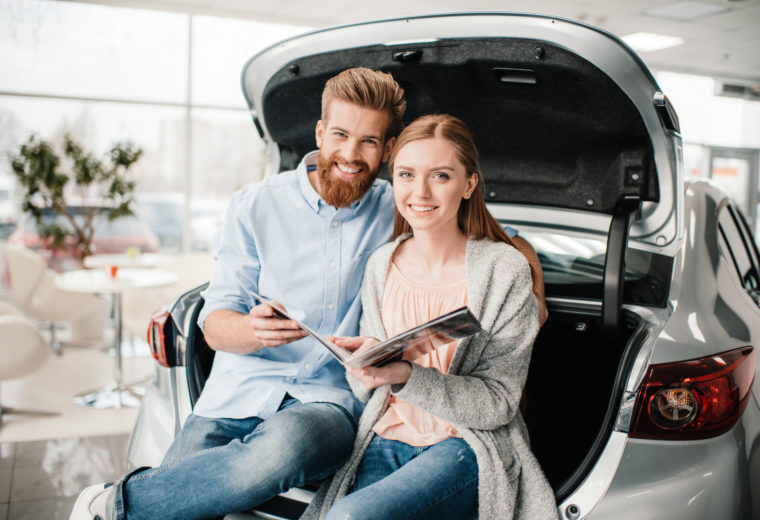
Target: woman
(441, 435)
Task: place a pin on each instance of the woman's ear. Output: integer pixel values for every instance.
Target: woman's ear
(470, 185)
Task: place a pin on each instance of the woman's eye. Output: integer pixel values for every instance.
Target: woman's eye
(403, 175)
(441, 176)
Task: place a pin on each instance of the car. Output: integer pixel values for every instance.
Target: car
(642, 395)
(163, 212)
(111, 236)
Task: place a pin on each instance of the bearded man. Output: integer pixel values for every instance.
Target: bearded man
(276, 411)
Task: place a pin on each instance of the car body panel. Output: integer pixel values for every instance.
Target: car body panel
(685, 480)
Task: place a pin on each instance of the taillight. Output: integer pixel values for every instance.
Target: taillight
(157, 339)
(694, 399)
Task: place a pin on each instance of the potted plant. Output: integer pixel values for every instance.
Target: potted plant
(100, 188)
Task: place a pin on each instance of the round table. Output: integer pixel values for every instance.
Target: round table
(122, 260)
(96, 281)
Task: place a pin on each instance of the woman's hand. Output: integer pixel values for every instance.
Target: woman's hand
(354, 344)
(395, 373)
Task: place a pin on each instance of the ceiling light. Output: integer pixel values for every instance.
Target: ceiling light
(649, 42)
(686, 10)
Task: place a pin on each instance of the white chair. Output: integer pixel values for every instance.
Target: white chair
(23, 350)
(35, 292)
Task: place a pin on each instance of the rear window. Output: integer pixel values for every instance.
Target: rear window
(574, 268)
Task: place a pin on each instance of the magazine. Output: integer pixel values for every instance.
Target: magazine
(457, 324)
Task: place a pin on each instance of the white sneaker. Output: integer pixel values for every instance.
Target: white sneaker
(91, 503)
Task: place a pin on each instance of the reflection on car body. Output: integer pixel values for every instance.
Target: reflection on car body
(641, 400)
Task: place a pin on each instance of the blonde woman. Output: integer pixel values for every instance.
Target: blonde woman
(441, 435)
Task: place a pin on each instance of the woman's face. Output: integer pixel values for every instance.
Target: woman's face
(429, 183)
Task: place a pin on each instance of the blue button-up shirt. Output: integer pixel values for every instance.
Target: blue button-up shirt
(280, 239)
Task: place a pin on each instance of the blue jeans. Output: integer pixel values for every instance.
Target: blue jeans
(221, 466)
(397, 481)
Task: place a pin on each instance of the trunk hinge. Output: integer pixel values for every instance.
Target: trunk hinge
(614, 266)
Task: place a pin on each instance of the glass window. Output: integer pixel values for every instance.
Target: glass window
(158, 130)
(732, 174)
(574, 268)
(221, 47)
(163, 212)
(694, 159)
(227, 153)
(736, 248)
(85, 50)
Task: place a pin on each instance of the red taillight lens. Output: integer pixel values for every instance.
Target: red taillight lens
(156, 338)
(694, 399)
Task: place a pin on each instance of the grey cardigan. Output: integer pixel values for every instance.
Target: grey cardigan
(481, 393)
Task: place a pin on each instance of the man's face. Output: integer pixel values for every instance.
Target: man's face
(352, 146)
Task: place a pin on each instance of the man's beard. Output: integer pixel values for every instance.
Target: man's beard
(338, 192)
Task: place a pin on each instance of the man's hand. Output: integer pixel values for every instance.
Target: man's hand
(394, 373)
(230, 331)
(272, 330)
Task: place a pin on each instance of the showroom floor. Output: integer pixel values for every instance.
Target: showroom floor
(41, 479)
(45, 461)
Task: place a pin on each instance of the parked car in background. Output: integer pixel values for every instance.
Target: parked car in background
(163, 213)
(114, 236)
(642, 396)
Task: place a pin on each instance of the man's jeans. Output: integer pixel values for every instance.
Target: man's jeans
(397, 481)
(220, 466)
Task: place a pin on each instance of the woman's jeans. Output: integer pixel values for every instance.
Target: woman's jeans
(220, 466)
(398, 481)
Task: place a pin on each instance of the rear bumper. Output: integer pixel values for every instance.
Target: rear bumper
(689, 480)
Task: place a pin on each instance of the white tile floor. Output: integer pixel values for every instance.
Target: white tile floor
(41, 479)
(46, 461)
(53, 387)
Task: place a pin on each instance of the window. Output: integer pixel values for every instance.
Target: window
(169, 82)
(739, 247)
(574, 268)
(63, 48)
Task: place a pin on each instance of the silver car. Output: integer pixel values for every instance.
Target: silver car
(641, 400)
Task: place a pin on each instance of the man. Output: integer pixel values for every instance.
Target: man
(276, 411)
(273, 418)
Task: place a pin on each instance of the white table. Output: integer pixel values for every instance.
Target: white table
(96, 281)
(122, 260)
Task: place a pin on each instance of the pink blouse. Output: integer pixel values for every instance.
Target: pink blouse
(407, 304)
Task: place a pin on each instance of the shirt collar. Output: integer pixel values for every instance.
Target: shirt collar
(309, 164)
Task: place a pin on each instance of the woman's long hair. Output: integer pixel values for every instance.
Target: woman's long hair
(473, 218)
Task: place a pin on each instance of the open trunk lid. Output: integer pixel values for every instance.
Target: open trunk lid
(564, 115)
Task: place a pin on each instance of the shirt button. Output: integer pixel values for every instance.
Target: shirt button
(335, 223)
(288, 379)
(330, 306)
(332, 264)
(307, 366)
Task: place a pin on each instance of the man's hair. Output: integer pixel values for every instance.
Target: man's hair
(369, 89)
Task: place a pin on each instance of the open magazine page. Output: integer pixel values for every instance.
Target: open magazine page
(342, 354)
(457, 324)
